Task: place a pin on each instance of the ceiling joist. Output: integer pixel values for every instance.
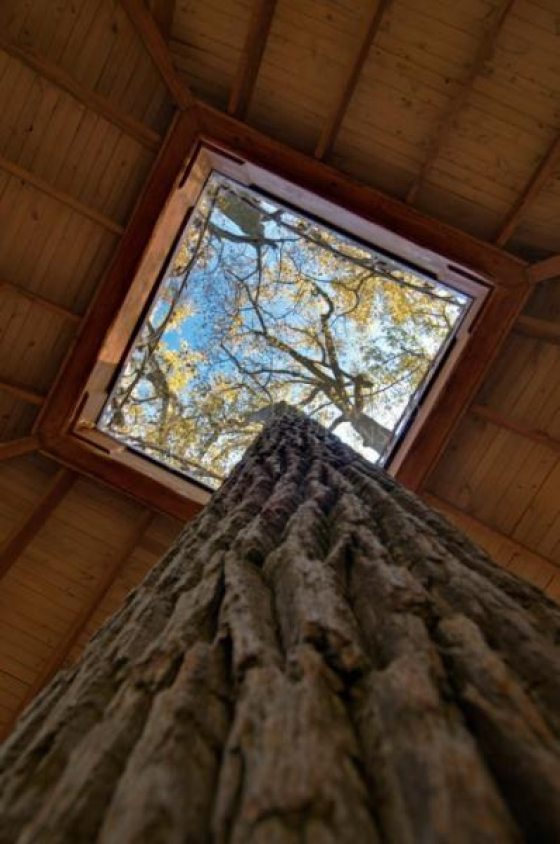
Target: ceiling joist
(456, 103)
(60, 196)
(93, 101)
(159, 52)
(260, 22)
(21, 392)
(37, 299)
(544, 270)
(163, 12)
(19, 447)
(495, 418)
(334, 121)
(540, 329)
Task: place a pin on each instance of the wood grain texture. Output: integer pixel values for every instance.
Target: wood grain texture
(320, 653)
(260, 22)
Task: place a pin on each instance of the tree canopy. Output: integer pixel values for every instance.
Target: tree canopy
(260, 304)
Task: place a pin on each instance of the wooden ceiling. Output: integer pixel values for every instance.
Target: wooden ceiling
(451, 107)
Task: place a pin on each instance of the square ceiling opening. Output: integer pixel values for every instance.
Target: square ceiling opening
(261, 302)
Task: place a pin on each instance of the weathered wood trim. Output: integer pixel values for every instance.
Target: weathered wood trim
(92, 100)
(333, 123)
(159, 52)
(16, 544)
(536, 436)
(16, 448)
(262, 13)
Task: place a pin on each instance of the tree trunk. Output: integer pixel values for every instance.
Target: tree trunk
(320, 658)
(374, 434)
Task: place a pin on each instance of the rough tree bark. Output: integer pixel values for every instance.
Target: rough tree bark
(320, 658)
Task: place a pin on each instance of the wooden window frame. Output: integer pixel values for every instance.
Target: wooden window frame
(199, 141)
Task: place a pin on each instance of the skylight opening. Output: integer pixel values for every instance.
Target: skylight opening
(260, 304)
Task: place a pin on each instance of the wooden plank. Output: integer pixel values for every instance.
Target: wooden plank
(541, 329)
(544, 270)
(490, 331)
(232, 135)
(334, 121)
(37, 299)
(163, 12)
(16, 544)
(60, 196)
(21, 392)
(251, 56)
(63, 649)
(155, 494)
(160, 54)
(111, 292)
(95, 102)
(16, 448)
(533, 187)
(457, 102)
(532, 434)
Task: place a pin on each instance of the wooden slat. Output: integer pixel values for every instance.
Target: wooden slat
(231, 134)
(160, 54)
(541, 329)
(157, 495)
(93, 101)
(535, 184)
(336, 116)
(16, 544)
(532, 434)
(457, 102)
(21, 392)
(16, 448)
(60, 196)
(251, 56)
(111, 292)
(60, 310)
(63, 649)
(544, 270)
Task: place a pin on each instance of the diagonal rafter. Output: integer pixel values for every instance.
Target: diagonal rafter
(336, 116)
(260, 23)
(456, 103)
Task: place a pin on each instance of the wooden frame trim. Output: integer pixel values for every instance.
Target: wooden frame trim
(92, 100)
(15, 545)
(333, 123)
(505, 275)
(249, 64)
(155, 44)
(60, 196)
(496, 418)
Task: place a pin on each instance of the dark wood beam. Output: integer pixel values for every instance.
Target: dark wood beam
(37, 299)
(490, 331)
(336, 116)
(110, 295)
(540, 329)
(496, 418)
(159, 52)
(533, 187)
(159, 495)
(458, 100)
(14, 546)
(262, 13)
(224, 131)
(21, 392)
(163, 12)
(93, 101)
(544, 270)
(16, 448)
(60, 196)
(64, 647)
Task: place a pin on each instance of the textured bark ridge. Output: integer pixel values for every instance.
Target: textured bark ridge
(321, 658)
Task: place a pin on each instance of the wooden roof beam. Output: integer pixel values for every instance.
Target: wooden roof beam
(37, 299)
(15, 545)
(93, 101)
(64, 647)
(60, 196)
(456, 103)
(533, 187)
(496, 418)
(540, 329)
(159, 52)
(544, 270)
(21, 392)
(163, 12)
(334, 121)
(16, 448)
(260, 22)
